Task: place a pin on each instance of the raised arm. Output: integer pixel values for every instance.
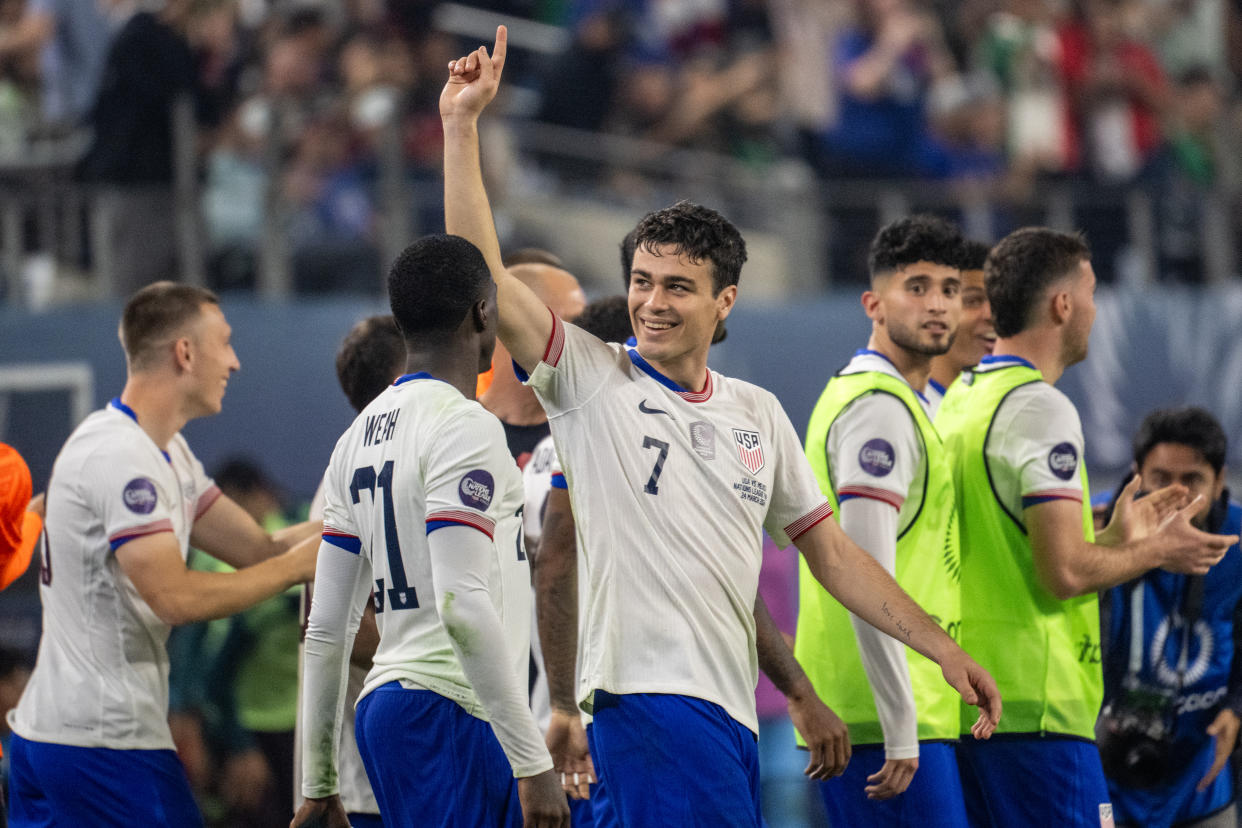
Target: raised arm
(859, 582)
(525, 322)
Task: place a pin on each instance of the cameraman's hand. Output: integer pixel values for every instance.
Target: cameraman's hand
(1225, 728)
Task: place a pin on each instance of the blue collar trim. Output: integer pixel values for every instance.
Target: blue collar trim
(937, 387)
(404, 378)
(1001, 360)
(116, 403)
(638, 360)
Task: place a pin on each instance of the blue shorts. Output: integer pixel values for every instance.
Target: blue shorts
(433, 764)
(1178, 801)
(934, 798)
(365, 821)
(1016, 781)
(672, 760)
(581, 812)
(54, 785)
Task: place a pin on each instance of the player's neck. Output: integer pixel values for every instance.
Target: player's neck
(1039, 347)
(158, 405)
(944, 369)
(689, 370)
(913, 366)
(457, 366)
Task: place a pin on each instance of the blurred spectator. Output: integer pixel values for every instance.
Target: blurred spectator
(151, 65)
(1117, 93)
(885, 65)
(1021, 49)
(69, 39)
(234, 197)
(1187, 34)
(1186, 171)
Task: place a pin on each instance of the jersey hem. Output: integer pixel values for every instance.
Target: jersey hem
(586, 702)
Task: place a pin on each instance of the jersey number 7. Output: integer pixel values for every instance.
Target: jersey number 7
(401, 594)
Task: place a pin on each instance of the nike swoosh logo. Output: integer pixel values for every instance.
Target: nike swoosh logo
(642, 406)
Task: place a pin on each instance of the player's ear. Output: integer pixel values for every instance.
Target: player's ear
(481, 314)
(870, 301)
(1060, 305)
(725, 300)
(183, 353)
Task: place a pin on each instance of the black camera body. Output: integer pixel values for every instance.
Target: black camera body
(1135, 736)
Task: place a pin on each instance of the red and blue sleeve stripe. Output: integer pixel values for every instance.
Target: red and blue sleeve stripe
(119, 539)
(343, 540)
(558, 481)
(1035, 498)
(871, 493)
(460, 517)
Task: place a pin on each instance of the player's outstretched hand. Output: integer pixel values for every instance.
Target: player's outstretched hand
(976, 687)
(543, 802)
(1137, 519)
(571, 755)
(321, 813)
(826, 736)
(473, 79)
(891, 779)
(1190, 550)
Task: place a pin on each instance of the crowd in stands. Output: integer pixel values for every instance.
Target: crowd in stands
(297, 102)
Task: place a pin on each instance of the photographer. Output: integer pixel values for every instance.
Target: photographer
(1173, 687)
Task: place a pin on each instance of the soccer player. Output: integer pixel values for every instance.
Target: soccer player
(881, 463)
(674, 471)
(1031, 565)
(423, 504)
(975, 336)
(126, 498)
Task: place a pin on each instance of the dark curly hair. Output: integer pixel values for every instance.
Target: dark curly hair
(917, 238)
(974, 254)
(371, 356)
(608, 319)
(1022, 266)
(698, 233)
(434, 282)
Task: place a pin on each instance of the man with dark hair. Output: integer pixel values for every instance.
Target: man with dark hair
(975, 333)
(423, 510)
(1031, 564)
(675, 472)
(1174, 639)
(127, 497)
(881, 463)
(628, 245)
(370, 357)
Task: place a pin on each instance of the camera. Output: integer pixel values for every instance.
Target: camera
(1135, 736)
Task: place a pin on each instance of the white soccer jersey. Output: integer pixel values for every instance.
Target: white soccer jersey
(1035, 445)
(541, 475)
(671, 492)
(101, 679)
(879, 425)
(420, 456)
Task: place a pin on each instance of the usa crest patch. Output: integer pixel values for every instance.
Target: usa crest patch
(749, 449)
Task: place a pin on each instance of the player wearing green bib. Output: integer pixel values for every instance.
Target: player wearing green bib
(881, 464)
(1030, 564)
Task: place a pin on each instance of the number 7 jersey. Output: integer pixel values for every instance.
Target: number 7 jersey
(672, 491)
(419, 458)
